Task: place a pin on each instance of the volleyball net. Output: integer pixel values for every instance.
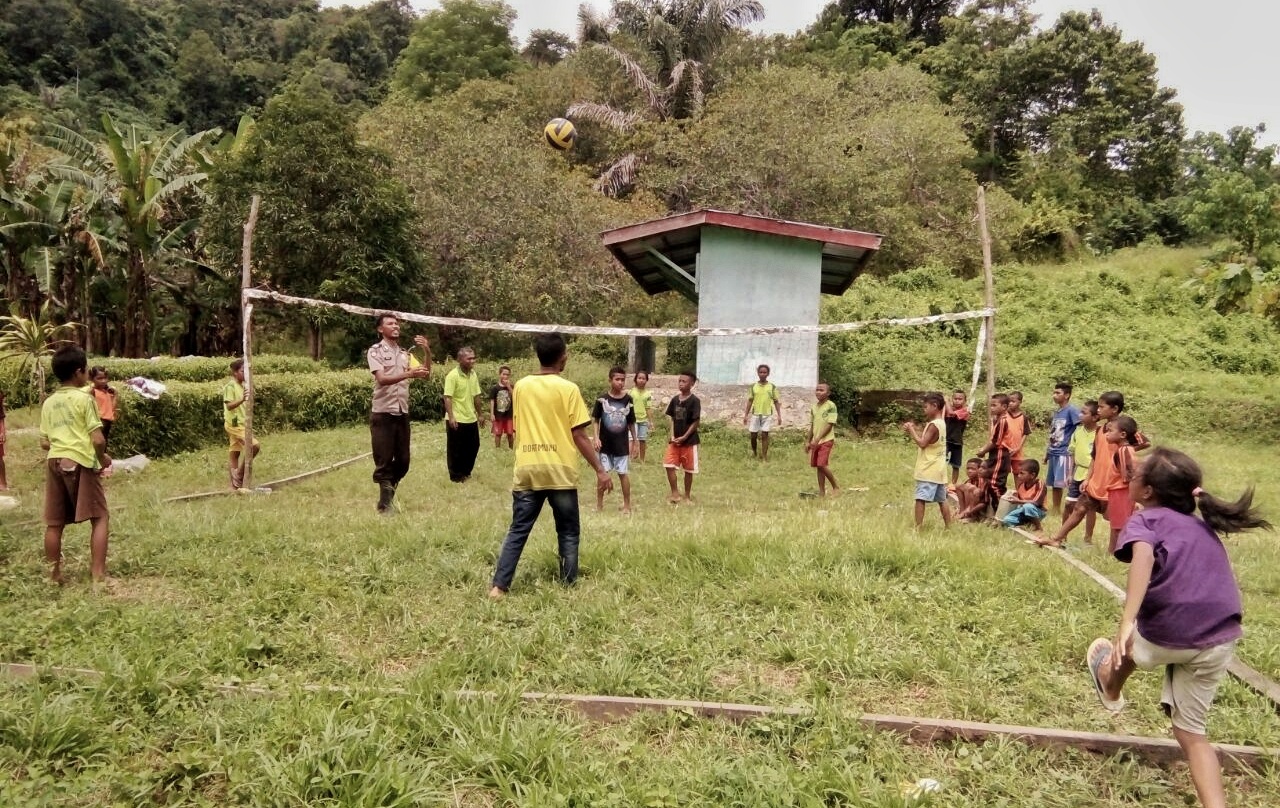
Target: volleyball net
(983, 314)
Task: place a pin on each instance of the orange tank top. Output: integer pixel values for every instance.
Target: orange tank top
(1102, 474)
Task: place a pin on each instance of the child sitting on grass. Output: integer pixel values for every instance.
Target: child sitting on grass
(1182, 608)
(1028, 497)
(931, 459)
(970, 495)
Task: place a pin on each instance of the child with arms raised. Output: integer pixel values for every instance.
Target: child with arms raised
(1182, 607)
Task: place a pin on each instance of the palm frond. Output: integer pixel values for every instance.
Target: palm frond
(603, 114)
(639, 78)
(619, 177)
(693, 70)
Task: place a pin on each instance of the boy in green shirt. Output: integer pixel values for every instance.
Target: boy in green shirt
(71, 432)
(822, 437)
(762, 405)
(234, 395)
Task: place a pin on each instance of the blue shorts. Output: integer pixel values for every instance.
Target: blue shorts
(931, 492)
(1021, 515)
(1058, 471)
(1073, 490)
(642, 430)
(618, 463)
(955, 454)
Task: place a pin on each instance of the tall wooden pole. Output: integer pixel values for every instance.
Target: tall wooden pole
(246, 329)
(990, 284)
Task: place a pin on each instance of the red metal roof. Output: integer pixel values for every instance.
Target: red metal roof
(679, 238)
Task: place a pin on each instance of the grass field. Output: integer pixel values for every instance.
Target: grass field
(752, 594)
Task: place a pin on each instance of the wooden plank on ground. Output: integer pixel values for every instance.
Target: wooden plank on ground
(1162, 751)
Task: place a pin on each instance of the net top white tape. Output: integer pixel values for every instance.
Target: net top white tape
(461, 322)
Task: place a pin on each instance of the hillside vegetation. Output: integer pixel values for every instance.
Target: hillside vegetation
(1128, 322)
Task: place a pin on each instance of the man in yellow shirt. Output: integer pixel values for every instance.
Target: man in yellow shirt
(762, 405)
(551, 432)
(463, 410)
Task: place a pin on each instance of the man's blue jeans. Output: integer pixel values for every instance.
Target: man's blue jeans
(525, 507)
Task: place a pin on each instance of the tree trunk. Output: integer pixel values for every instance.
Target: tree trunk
(136, 326)
(315, 340)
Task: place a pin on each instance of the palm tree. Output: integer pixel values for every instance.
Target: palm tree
(680, 38)
(138, 178)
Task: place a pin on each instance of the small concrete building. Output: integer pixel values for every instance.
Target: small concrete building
(746, 271)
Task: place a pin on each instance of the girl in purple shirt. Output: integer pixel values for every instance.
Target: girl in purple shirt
(1182, 606)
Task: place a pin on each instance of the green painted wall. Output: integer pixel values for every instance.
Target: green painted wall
(754, 279)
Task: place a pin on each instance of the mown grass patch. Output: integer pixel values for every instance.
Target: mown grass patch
(751, 595)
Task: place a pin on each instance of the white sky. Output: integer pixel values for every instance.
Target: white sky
(1221, 57)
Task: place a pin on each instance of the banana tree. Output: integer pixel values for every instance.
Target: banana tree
(139, 178)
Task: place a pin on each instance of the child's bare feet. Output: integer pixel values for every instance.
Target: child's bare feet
(496, 594)
(674, 499)
(55, 575)
(626, 511)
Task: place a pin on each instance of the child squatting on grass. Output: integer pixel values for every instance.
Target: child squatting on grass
(931, 459)
(71, 432)
(1028, 497)
(1182, 605)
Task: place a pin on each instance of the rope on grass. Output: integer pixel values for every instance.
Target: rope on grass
(489, 325)
(275, 483)
(1250, 678)
(917, 730)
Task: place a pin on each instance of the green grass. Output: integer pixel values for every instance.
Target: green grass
(751, 595)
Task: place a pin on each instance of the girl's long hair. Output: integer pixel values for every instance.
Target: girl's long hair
(1175, 481)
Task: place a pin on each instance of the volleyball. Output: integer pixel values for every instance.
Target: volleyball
(561, 134)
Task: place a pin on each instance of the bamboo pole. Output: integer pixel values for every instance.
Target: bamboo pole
(246, 329)
(990, 287)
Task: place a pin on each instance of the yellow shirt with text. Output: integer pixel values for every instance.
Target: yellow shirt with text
(546, 408)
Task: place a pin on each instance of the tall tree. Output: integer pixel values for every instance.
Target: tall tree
(461, 40)
(333, 224)
(920, 20)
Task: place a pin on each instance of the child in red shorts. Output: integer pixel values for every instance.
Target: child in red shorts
(822, 437)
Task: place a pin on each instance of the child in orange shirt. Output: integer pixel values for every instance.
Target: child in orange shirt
(995, 449)
(1097, 486)
(1029, 508)
(1018, 426)
(104, 395)
(1122, 433)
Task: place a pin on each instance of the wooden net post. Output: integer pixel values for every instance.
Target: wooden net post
(246, 328)
(990, 285)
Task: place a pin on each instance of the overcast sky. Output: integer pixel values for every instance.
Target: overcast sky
(1221, 57)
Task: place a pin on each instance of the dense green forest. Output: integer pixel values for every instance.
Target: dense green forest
(400, 159)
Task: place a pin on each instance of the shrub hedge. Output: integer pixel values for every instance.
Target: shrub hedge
(189, 415)
(18, 390)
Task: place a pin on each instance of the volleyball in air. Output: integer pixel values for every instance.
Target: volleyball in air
(561, 134)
